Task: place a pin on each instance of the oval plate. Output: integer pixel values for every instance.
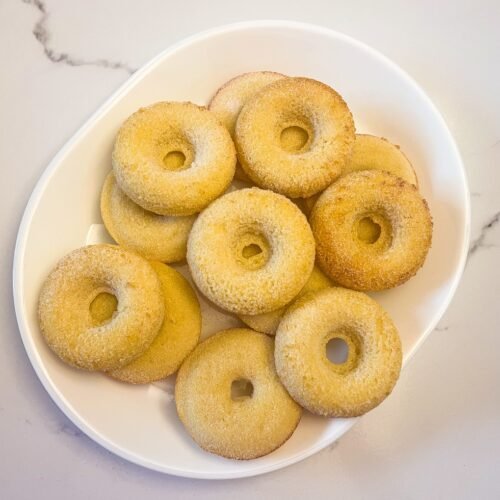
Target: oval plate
(139, 423)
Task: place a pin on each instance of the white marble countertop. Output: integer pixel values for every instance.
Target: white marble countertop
(438, 435)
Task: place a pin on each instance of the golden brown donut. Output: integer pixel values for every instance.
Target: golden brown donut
(233, 95)
(268, 322)
(243, 426)
(178, 334)
(291, 104)
(155, 237)
(65, 300)
(173, 158)
(371, 369)
(372, 229)
(251, 251)
(372, 153)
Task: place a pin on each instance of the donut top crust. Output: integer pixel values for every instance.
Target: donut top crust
(295, 102)
(261, 283)
(243, 429)
(374, 361)
(149, 134)
(64, 307)
(406, 230)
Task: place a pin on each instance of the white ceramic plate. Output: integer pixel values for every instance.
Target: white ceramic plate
(140, 423)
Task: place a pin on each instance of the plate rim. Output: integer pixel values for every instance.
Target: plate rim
(21, 240)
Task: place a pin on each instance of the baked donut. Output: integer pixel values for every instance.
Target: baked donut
(65, 300)
(251, 251)
(232, 96)
(373, 363)
(173, 158)
(268, 322)
(372, 153)
(310, 165)
(155, 237)
(372, 229)
(377, 153)
(243, 424)
(178, 334)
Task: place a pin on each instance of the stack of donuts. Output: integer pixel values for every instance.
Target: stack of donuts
(317, 217)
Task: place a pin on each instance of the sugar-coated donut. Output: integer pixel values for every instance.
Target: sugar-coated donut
(377, 153)
(251, 251)
(291, 104)
(178, 334)
(66, 297)
(241, 426)
(155, 237)
(268, 322)
(373, 364)
(372, 153)
(372, 229)
(233, 95)
(173, 158)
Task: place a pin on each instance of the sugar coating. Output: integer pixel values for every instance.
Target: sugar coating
(261, 283)
(145, 139)
(406, 230)
(178, 334)
(233, 95)
(241, 429)
(155, 237)
(338, 390)
(301, 102)
(68, 291)
(268, 322)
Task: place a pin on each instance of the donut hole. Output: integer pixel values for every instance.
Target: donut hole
(102, 308)
(241, 389)
(342, 350)
(368, 230)
(337, 351)
(251, 250)
(175, 160)
(294, 138)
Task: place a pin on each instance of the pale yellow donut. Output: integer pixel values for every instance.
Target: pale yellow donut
(268, 322)
(155, 237)
(147, 151)
(343, 220)
(178, 334)
(295, 103)
(233, 95)
(371, 369)
(235, 427)
(67, 324)
(251, 251)
(372, 153)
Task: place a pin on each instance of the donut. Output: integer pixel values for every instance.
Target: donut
(65, 300)
(349, 388)
(268, 322)
(178, 334)
(155, 237)
(173, 158)
(372, 229)
(372, 153)
(249, 422)
(251, 251)
(232, 96)
(292, 104)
